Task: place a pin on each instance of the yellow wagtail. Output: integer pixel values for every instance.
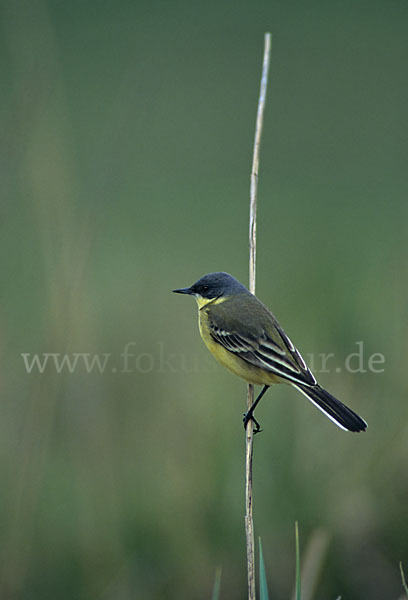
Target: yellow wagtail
(245, 337)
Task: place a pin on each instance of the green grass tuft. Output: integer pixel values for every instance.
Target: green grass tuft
(298, 594)
(217, 584)
(404, 583)
(263, 592)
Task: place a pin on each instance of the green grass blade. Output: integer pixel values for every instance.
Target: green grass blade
(298, 595)
(263, 592)
(217, 584)
(404, 583)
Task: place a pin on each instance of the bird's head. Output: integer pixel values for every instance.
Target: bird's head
(213, 286)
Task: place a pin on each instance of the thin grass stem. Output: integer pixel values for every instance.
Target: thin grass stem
(249, 523)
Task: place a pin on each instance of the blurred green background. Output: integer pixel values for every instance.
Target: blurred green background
(126, 146)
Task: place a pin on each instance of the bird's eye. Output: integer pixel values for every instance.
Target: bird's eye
(206, 288)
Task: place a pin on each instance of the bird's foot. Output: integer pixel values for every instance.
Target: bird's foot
(248, 416)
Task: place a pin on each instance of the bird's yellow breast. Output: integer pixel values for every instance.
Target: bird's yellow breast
(231, 361)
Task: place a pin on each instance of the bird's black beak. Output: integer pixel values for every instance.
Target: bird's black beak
(183, 291)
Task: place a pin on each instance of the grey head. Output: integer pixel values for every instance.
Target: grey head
(214, 285)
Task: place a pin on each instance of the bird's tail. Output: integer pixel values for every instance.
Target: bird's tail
(340, 414)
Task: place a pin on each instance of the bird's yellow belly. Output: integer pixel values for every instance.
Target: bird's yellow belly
(232, 362)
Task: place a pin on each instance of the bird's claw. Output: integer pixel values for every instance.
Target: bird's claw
(248, 416)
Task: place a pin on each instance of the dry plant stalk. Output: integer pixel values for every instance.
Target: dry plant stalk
(249, 523)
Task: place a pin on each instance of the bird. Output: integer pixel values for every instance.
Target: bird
(246, 338)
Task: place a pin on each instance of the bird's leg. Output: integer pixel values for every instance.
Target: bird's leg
(249, 416)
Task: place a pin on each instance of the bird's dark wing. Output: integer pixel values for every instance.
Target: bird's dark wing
(267, 347)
